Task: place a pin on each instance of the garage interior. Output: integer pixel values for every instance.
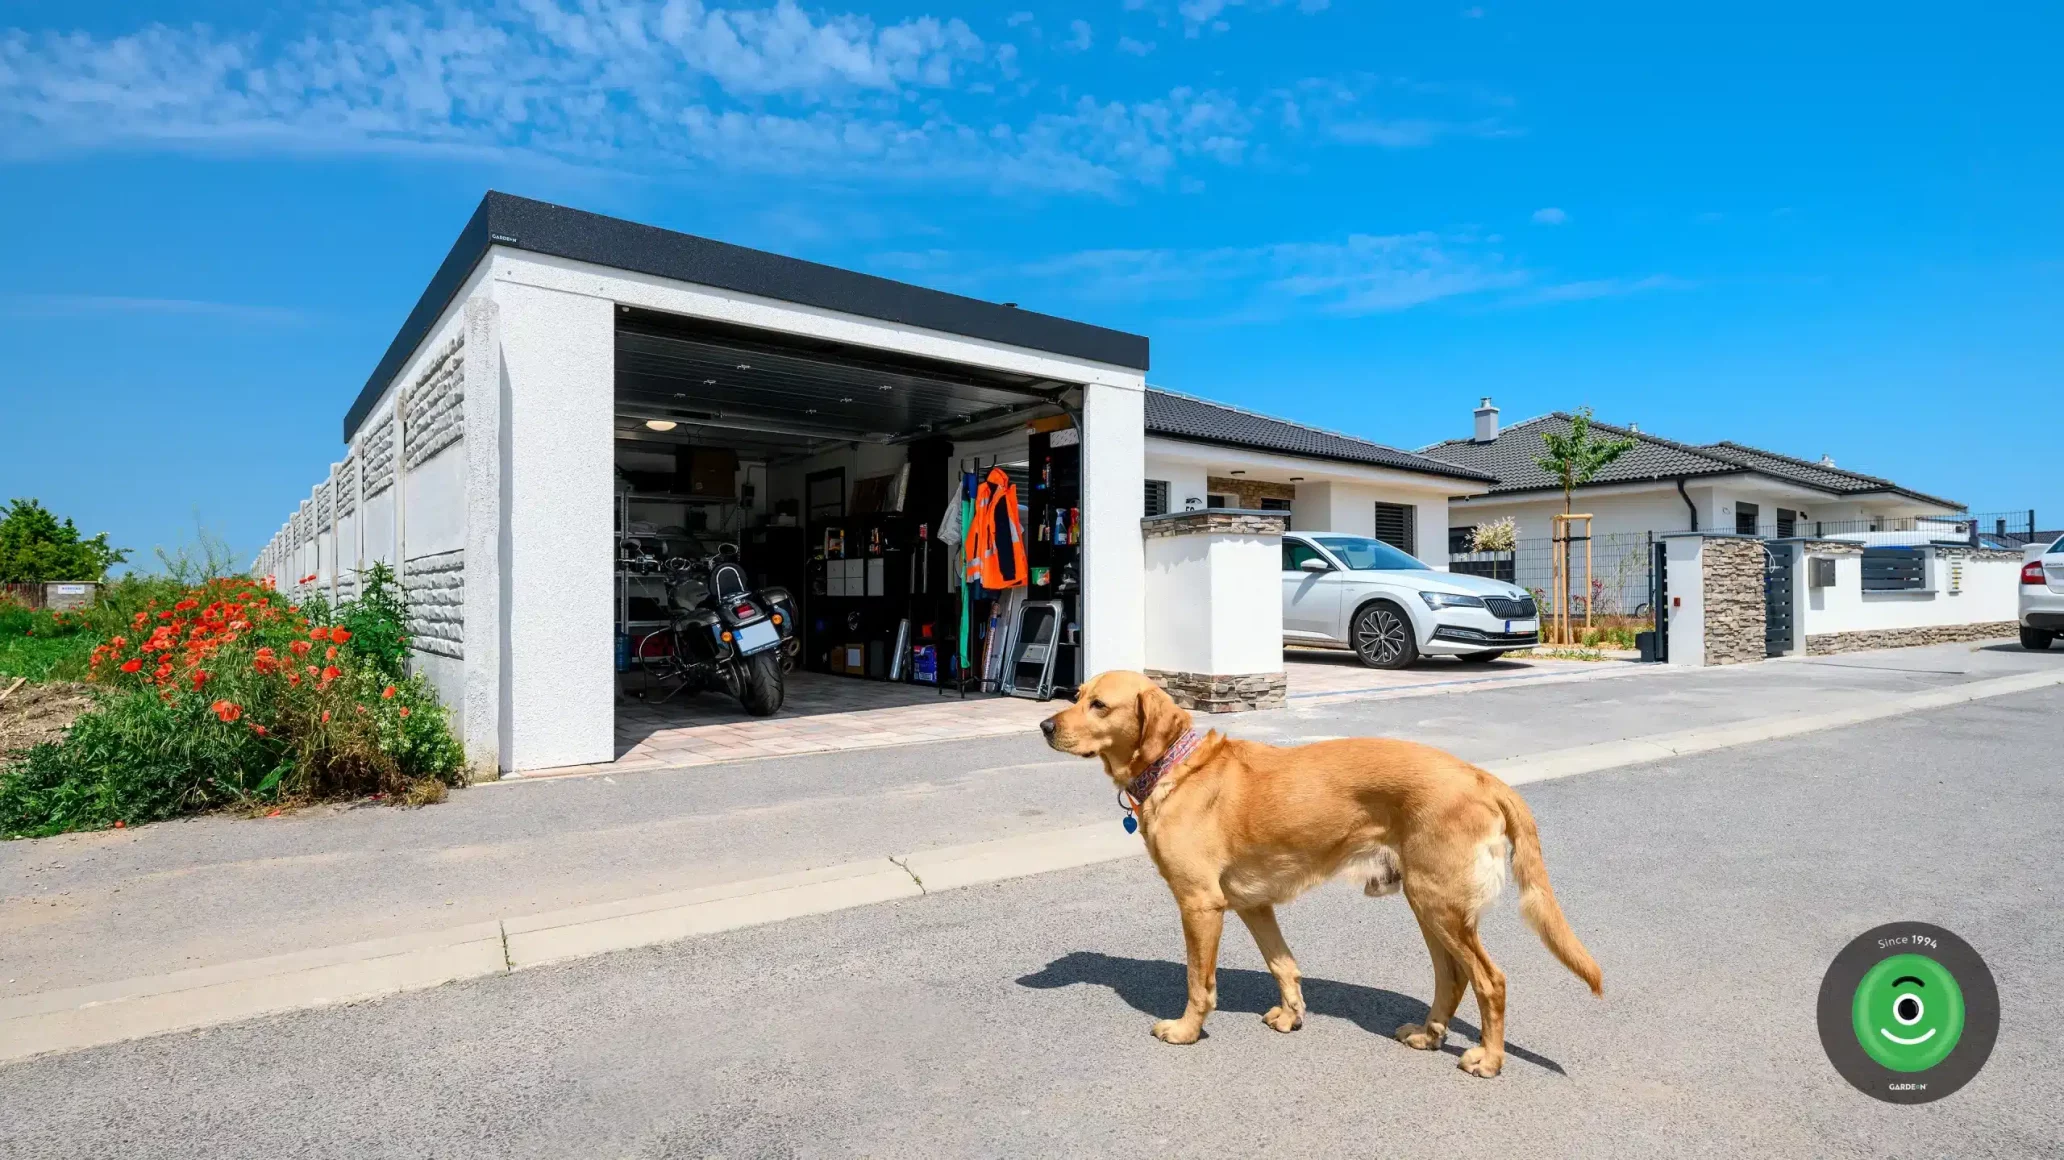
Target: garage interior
(830, 467)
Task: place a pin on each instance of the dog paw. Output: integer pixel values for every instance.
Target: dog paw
(1478, 1062)
(1420, 1037)
(1284, 1019)
(1177, 1031)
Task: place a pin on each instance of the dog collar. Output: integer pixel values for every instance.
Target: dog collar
(1135, 792)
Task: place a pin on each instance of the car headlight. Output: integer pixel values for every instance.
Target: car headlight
(1440, 600)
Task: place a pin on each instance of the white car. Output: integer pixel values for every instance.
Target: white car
(1342, 591)
(2042, 596)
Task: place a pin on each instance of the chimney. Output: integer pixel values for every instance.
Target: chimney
(1827, 461)
(1634, 427)
(1486, 422)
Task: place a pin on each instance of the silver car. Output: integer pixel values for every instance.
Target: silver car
(1342, 591)
(2042, 596)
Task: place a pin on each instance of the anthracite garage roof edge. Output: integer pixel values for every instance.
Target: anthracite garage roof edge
(543, 228)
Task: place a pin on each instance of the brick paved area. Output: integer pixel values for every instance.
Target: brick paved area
(829, 714)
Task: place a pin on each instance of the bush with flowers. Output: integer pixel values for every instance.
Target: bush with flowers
(228, 693)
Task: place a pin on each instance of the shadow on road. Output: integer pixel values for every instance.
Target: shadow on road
(1159, 987)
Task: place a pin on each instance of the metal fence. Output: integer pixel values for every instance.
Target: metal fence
(1619, 584)
(2011, 530)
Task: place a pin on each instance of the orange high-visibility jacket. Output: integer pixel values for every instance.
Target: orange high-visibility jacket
(995, 545)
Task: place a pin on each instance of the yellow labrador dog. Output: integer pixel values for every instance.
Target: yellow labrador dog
(1241, 825)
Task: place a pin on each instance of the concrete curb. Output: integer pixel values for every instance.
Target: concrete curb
(75, 1018)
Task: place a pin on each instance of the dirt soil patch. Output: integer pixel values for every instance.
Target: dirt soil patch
(33, 714)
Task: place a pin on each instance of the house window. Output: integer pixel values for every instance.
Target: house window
(1894, 569)
(1461, 540)
(1277, 505)
(1397, 525)
(1787, 522)
(1745, 518)
(1157, 497)
(1221, 500)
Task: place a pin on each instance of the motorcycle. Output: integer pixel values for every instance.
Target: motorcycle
(722, 634)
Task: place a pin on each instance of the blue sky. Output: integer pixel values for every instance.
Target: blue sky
(1835, 233)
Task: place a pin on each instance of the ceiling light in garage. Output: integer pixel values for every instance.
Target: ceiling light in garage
(661, 424)
(1239, 473)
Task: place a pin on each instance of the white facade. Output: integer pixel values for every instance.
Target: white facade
(503, 536)
(1330, 496)
(1636, 508)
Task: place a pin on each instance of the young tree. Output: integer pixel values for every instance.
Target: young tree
(1573, 458)
(36, 548)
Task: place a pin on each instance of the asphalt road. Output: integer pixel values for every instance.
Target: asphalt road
(91, 908)
(1012, 1019)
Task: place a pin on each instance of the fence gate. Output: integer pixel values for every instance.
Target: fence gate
(1659, 597)
(1778, 582)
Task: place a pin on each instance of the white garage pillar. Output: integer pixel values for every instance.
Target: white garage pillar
(1114, 476)
(558, 405)
(1215, 608)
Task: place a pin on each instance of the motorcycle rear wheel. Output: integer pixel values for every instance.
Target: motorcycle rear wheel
(761, 688)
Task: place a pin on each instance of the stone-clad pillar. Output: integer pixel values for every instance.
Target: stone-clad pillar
(1214, 619)
(1716, 613)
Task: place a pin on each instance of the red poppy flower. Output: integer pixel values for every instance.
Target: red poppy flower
(132, 664)
(326, 716)
(340, 635)
(186, 605)
(300, 648)
(330, 653)
(404, 710)
(199, 678)
(258, 729)
(227, 710)
(387, 694)
(319, 633)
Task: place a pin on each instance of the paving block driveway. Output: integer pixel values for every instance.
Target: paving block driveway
(832, 714)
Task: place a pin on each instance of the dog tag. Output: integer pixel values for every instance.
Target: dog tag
(1131, 824)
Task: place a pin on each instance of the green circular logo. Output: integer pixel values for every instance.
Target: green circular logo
(1908, 1012)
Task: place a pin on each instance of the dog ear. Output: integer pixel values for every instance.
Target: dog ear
(1162, 724)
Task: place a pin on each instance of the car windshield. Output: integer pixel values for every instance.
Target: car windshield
(2057, 549)
(1365, 555)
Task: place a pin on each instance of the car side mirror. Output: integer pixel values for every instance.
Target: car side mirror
(1315, 565)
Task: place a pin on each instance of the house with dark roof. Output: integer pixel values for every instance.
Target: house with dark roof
(1201, 454)
(1662, 485)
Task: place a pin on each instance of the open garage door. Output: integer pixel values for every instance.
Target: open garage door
(830, 469)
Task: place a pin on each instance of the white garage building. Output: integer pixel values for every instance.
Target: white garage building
(571, 387)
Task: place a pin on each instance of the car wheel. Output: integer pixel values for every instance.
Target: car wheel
(2036, 639)
(1383, 637)
(1481, 658)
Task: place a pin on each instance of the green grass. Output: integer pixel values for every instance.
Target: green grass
(38, 646)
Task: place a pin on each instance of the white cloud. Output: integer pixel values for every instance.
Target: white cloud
(647, 85)
(1601, 288)
(1200, 14)
(1363, 274)
(1080, 36)
(1017, 18)
(1132, 47)
(1550, 216)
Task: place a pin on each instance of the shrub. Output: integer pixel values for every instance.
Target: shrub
(1499, 535)
(227, 693)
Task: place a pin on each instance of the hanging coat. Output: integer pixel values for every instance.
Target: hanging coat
(996, 538)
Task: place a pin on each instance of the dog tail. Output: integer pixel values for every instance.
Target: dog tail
(1537, 898)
